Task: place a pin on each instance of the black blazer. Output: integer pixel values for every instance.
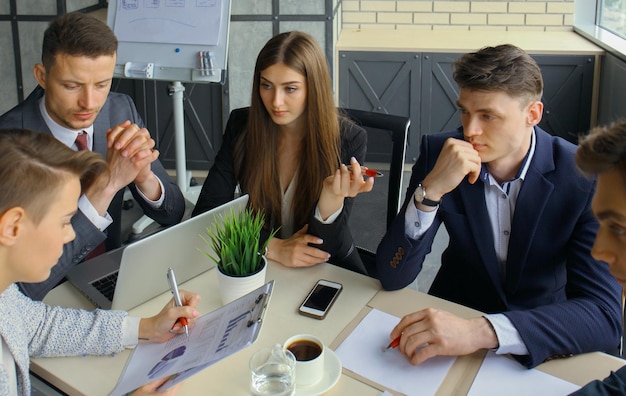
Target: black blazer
(219, 188)
(117, 109)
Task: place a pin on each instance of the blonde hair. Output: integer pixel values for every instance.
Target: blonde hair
(33, 166)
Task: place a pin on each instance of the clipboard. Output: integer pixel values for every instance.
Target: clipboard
(215, 336)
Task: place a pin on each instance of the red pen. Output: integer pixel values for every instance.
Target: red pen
(393, 344)
(368, 172)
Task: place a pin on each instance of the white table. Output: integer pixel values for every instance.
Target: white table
(98, 375)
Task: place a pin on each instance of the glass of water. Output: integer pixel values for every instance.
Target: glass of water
(273, 372)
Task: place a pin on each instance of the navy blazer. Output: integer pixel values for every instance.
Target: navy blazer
(558, 297)
(117, 109)
(614, 384)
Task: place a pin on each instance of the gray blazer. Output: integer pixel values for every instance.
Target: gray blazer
(52, 331)
(117, 109)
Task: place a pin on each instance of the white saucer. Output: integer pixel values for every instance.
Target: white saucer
(331, 376)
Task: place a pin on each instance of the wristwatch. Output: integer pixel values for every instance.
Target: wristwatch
(420, 197)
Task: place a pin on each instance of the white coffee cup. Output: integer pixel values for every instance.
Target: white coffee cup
(309, 352)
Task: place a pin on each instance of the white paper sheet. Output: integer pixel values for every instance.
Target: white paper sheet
(362, 352)
(501, 375)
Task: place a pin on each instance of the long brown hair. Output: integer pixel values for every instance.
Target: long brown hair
(256, 153)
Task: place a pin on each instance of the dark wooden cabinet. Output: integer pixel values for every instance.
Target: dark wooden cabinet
(420, 86)
(612, 98)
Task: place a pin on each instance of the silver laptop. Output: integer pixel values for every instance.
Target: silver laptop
(133, 274)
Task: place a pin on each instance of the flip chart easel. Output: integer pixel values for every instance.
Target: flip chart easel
(172, 40)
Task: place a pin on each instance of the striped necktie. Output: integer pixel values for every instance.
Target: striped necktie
(81, 141)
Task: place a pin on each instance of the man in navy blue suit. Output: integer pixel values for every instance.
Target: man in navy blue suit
(521, 229)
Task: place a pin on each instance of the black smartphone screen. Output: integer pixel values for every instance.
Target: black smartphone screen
(320, 298)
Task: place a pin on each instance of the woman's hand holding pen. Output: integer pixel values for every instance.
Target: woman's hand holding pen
(431, 332)
(157, 328)
(344, 183)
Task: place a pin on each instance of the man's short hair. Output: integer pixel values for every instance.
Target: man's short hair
(77, 34)
(502, 68)
(603, 150)
(34, 166)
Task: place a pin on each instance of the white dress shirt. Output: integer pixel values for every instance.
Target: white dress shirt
(68, 137)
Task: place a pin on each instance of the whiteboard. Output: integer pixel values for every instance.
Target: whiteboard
(171, 40)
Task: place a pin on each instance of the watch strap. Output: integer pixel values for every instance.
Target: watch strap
(427, 202)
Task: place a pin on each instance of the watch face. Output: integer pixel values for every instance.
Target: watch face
(420, 193)
(420, 197)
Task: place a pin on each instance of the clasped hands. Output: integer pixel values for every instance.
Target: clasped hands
(129, 155)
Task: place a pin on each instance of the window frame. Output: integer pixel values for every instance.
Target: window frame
(585, 15)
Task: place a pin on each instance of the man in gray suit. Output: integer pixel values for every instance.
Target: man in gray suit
(73, 102)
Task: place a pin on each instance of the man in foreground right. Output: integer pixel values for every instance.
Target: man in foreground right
(602, 153)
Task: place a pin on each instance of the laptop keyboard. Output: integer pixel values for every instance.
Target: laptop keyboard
(106, 285)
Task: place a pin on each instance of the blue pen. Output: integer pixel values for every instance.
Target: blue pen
(210, 63)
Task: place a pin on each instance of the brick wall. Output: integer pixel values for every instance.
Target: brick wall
(538, 15)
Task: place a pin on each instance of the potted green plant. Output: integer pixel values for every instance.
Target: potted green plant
(235, 247)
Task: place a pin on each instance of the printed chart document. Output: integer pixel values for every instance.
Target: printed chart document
(215, 336)
(501, 375)
(363, 352)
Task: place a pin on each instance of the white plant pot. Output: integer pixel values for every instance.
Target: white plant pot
(233, 287)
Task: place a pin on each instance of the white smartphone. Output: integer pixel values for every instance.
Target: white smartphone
(319, 300)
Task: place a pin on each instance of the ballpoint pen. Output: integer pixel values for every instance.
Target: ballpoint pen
(368, 172)
(393, 344)
(174, 288)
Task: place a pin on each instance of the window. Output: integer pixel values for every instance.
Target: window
(612, 16)
(603, 22)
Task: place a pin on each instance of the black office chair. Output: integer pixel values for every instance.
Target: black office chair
(383, 130)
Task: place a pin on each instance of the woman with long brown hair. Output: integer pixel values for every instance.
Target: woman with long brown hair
(289, 152)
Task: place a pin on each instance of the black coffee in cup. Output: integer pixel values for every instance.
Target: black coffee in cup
(304, 350)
